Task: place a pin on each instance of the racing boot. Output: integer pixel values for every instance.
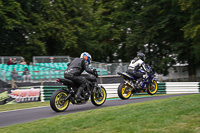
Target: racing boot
(78, 96)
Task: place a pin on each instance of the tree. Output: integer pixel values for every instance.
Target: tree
(192, 32)
(109, 31)
(57, 27)
(48, 25)
(11, 27)
(154, 28)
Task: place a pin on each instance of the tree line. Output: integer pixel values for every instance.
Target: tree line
(167, 31)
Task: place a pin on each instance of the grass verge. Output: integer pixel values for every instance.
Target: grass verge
(8, 107)
(175, 114)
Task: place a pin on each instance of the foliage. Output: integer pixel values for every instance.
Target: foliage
(12, 19)
(167, 31)
(192, 28)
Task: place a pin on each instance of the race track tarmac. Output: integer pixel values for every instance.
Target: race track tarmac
(26, 115)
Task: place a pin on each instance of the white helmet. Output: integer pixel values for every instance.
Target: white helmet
(86, 56)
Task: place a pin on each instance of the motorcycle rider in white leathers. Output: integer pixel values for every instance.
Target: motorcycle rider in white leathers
(136, 64)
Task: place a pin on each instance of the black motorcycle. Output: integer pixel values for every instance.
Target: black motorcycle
(61, 99)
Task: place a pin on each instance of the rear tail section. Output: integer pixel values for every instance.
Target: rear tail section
(125, 75)
(66, 82)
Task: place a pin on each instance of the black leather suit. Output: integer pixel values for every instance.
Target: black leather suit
(73, 72)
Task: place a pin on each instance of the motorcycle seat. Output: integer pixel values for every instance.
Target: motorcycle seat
(66, 82)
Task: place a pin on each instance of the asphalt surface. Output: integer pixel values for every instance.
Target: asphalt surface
(26, 115)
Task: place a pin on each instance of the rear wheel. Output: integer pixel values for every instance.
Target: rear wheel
(152, 88)
(99, 97)
(57, 101)
(123, 91)
(5, 101)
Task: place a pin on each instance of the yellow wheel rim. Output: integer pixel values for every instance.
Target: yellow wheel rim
(102, 99)
(153, 89)
(124, 91)
(59, 102)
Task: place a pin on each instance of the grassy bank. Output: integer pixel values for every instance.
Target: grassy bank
(16, 106)
(175, 114)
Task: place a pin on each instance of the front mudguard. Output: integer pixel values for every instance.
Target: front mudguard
(154, 80)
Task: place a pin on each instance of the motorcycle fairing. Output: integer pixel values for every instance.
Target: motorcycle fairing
(147, 81)
(142, 71)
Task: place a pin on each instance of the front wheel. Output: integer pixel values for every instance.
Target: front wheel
(99, 96)
(123, 91)
(152, 88)
(57, 101)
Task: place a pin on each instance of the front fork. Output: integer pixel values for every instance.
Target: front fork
(97, 89)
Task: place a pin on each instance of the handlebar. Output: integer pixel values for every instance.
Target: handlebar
(96, 74)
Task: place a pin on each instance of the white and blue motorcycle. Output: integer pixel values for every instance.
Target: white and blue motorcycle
(129, 86)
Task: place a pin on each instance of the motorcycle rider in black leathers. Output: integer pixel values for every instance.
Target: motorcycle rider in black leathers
(135, 65)
(74, 70)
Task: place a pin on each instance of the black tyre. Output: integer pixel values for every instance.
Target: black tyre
(98, 98)
(123, 91)
(152, 88)
(57, 102)
(5, 101)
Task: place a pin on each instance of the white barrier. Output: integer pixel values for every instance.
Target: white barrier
(41, 94)
(171, 88)
(111, 89)
(182, 87)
